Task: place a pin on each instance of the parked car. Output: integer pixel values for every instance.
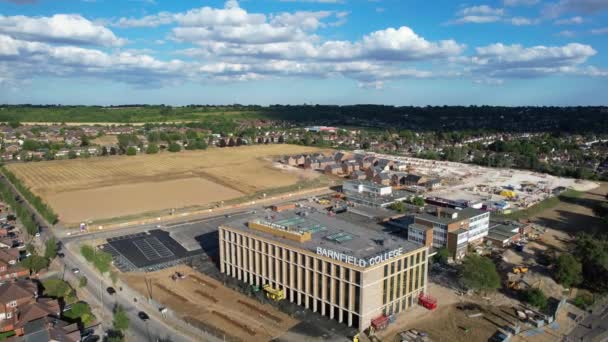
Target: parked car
(61, 255)
(111, 290)
(75, 270)
(143, 316)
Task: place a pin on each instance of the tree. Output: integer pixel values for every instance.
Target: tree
(174, 147)
(56, 288)
(535, 297)
(81, 311)
(441, 256)
(479, 273)
(592, 251)
(82, 282)
(72, 155)
(121, 320)
(131, 151)
(418, 201)
(84, 140)
(50, 248)
(35, 263)
(568, 270)
(30, 145)
(113, 151)
(397, 206)
(104, 151)
(152, 149)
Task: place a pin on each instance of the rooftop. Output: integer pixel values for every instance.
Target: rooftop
(346, 233)
(466, 213)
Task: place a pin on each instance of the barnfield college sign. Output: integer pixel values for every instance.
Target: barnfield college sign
(349, 259)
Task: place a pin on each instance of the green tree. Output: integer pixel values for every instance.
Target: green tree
(35, 263)
(56, 288)
(398, 207)
(30, 145)
(50, 248)
(479, 273)
(174, 147)
(101, 260)
(535, 297)
(441, 256)
(592, 251)
(121, 320)
(418, 201)
(131, 151)
(568, 270)
(152, 149)
(72, 155)
(80, 311)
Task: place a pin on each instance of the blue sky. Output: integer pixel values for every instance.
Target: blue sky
(401, 52)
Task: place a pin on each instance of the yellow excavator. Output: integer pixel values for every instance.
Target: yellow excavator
(272, 293)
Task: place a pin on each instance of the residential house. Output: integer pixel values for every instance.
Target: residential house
(49, 329)
(383, 178)
(413, 179)
(349, 166)
(42, 307)
(9, 267)
(358, 175)
(333, 169)
(398, 178)
(12, 296)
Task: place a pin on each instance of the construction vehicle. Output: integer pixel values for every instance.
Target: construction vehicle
(520, 269)
(514, 285)
(356, 338)
(427, 301)
(177, 276)
(274, 294)
(324, 202)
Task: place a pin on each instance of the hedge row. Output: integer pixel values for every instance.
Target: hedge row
(34, 200)
(20, 211)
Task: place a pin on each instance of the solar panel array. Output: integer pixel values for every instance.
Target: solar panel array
(152, 248)
(301, 224)
(340, 237)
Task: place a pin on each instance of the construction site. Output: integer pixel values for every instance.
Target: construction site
(205, 303)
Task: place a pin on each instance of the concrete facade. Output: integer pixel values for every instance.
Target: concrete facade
(331, 286)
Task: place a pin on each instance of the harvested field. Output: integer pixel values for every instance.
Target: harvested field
(106, 140)
(107, 187)
(204, 301)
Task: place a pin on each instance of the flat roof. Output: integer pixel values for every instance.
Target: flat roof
(420, 226)
(463, 214)
(357, 236)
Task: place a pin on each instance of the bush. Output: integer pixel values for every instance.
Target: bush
(418, 201)
(584, 300)
(35, 263)
(50, 248)
(441, 256)
(174, 147)
(398, 207)
(152, 149)
(81, 311)
(535, 297)
(82, 282)
(121, 320)
(131, 151)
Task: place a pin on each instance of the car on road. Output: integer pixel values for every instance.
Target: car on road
(61, 255)
(111, 290)
(91, 338)
(75, 270)
(143, 316)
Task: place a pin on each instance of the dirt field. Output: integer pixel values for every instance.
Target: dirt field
(576, 214)
(199, 298)
(98, 188)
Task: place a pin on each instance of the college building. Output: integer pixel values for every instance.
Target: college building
(344, 266)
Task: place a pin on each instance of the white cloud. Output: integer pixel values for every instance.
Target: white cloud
(481, 10)
(60, 28)
(570, 21)
(566, 34)
(521, 21)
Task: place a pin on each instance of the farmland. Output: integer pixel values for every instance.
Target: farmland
(101, 188)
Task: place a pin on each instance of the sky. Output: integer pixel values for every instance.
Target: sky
(394, 52)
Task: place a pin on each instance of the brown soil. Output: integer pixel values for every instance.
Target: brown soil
(198, 298)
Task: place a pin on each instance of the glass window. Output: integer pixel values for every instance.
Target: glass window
(399, 265)
(357, 277)
(385, 270)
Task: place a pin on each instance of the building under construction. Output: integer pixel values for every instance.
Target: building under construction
(345, 267)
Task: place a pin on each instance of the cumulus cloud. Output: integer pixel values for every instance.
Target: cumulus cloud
(599, 31)
(60, 28)
(478, 15)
